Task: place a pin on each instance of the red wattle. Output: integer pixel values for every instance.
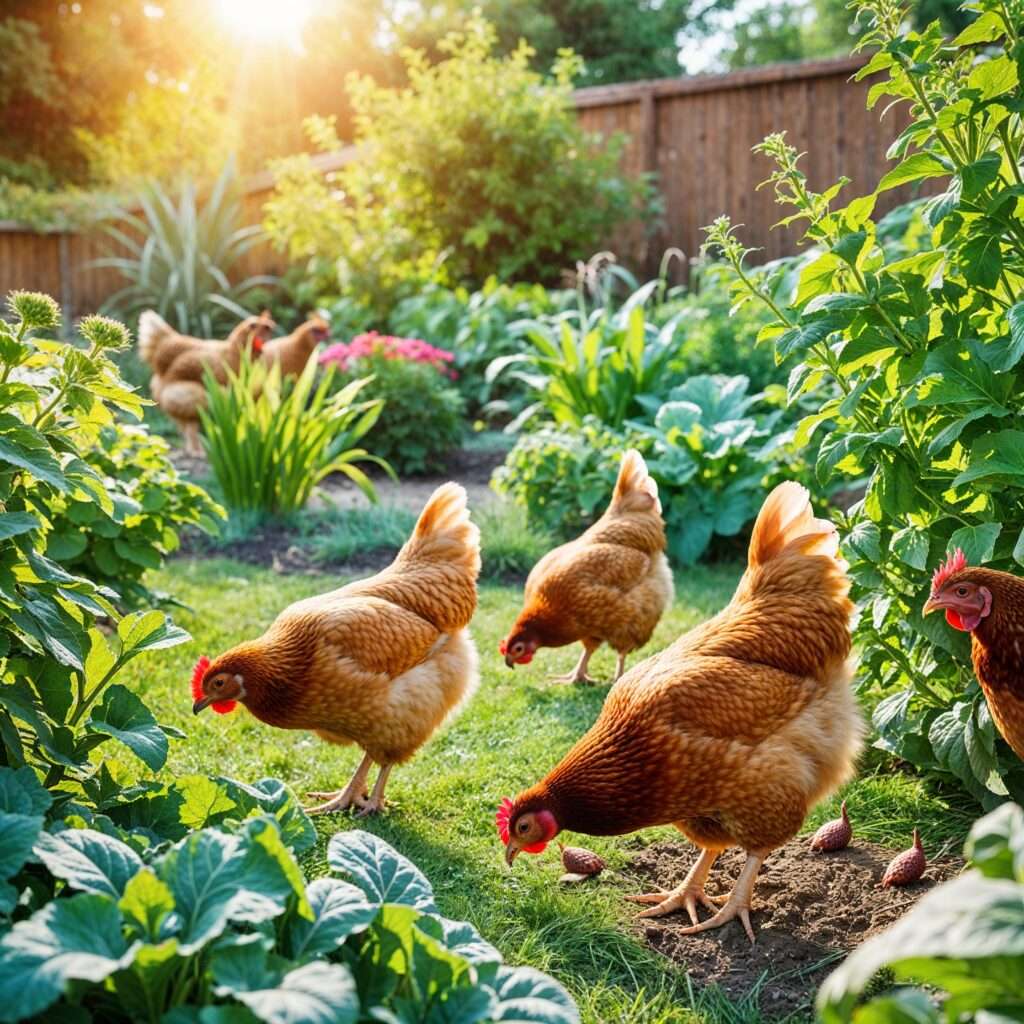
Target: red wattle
(953, 618)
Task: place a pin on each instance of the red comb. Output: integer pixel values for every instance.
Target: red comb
(501, 818)
(222, 707)
(956, 561)
(503, 647)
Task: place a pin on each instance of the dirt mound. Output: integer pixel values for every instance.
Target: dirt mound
(809, 909)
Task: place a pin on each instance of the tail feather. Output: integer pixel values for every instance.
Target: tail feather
(444, 532)
(635, 490)
(786, 525)
(152, 329)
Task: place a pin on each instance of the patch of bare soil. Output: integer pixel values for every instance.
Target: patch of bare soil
(809, 910)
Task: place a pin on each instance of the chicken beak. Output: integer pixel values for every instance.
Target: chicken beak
(510, 661)
(199, 705)
(933, 604)
(511, 851)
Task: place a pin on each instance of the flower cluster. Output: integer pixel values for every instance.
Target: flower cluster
(386, 346)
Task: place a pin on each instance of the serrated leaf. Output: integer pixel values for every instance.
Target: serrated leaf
(977, 542)
(915, 168)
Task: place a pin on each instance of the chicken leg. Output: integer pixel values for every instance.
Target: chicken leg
(351, 795)
(620, 667)
(687, 894)
(579, 673)
(738, 903)
(375, 801)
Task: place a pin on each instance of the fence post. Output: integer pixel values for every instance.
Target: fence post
(67, 291)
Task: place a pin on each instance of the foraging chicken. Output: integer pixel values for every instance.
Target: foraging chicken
(989, 605)
(609, 585)
(381, 663)
(179, 363)
(292, 351)
(733, 732)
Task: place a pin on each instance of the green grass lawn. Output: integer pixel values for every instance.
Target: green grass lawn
(442, 803)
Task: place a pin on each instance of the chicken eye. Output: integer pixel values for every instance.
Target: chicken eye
(218, 683)
(961, 591)
(522, 827)
(517, 648)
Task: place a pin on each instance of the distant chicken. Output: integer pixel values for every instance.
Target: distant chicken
(381, 663)
(179, 363)
(611, 585)
(989, 605)
(292, 351)
(732, 733)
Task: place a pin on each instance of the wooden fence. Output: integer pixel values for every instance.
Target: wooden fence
(693, 134)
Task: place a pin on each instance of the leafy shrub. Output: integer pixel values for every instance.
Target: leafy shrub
(150, 503)
(963, 939)
(421, 418)
(593, 362)
(58, 697)
(180, 254)
(562, 476)
(710, 454)
(224, 917)
(271, 441)
(476, 326)
(442, 187)
(925, 350)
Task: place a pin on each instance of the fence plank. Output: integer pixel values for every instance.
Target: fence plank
(693, 134)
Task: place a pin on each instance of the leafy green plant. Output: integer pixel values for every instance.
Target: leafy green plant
(180, 254)
(925, 351)
(420, 421)
(150, 503)
(59, 699)
(593, 362)
(475, 325)
(710, 453)
(224, 918)
(965, 940)
(271, 441)
(351, 532)
(561, 476)
(443, 181)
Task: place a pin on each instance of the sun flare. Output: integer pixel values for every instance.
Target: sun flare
(268, 20)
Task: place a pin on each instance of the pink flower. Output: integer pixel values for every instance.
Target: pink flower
(413, 350)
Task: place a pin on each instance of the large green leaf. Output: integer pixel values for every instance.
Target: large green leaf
(216, 878)
(88, 860)
(149, 631)
(997, 458)
(315, 993)
(996, 844)
(977, 542)
(339, 910)
(76, 939)
(23, 802)
(525, 996)
(383, 874)
(146, 904)
(123, 716)
(13, 524)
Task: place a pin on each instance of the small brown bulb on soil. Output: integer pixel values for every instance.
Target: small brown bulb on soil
(835, 834)
(907, 866)
(579, 864)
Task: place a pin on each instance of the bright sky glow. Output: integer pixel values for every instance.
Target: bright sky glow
(268, 20)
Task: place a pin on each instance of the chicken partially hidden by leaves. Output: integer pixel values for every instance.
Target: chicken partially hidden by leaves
(611, 585)
(180, 362)
(292, 351)
(732, 733)
(380, 663)
(989, 605)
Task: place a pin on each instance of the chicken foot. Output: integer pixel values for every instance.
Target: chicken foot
(579, 673)
(375, 801)
(738, 903)
(351, 795)
(687, 894)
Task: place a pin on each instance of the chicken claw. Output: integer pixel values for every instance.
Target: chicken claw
(374, 803)
(687, 894)
(343, 799)
(579, 673)
(738, 904)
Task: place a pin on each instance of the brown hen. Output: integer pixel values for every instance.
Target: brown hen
(989, 605)
(292, 351)
(179, 363)
(611, 585)
(380, 663)
(732, 733)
